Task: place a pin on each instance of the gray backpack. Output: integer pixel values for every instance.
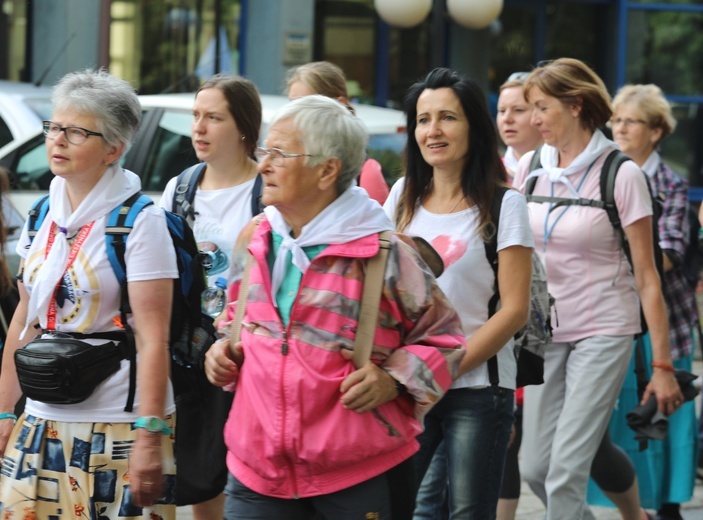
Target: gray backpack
(532, 340)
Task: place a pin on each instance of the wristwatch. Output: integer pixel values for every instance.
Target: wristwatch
(152, 424)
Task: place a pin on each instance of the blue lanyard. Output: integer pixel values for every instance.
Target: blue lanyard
(548, 230)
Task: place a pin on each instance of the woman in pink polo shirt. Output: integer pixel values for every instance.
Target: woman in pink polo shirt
(597, 295)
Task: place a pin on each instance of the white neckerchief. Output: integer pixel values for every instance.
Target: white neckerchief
(510, 161)
(114, 187)
(350, 216)
(549, 157)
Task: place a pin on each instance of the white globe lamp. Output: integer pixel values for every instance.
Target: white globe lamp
(403, 13)
(474, 14)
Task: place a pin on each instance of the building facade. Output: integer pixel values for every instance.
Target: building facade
(170, 45)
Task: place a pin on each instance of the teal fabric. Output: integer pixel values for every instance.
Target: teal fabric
(666, 470)
(291, 281)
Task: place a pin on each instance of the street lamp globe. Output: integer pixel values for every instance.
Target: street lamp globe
(474, 14)
(403, 13)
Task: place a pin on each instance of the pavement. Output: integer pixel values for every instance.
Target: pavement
(531, 508)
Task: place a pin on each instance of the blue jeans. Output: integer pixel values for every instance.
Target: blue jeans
(474, 425)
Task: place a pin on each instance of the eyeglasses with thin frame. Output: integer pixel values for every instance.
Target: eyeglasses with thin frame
(277, 155)
(628, 121)
(74, 134)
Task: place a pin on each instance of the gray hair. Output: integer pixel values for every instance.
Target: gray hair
(327, 129)
(111, 100)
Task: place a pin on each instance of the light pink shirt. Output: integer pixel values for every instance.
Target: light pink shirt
(587, 271)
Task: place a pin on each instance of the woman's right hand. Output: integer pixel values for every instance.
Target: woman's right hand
(222, 362)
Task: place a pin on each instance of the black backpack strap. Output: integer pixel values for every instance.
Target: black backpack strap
(609, 173)
(184, 194)
(491, 247)
(119, 224)
(256, 205)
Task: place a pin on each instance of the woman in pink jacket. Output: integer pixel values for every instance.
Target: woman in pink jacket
(309, 434)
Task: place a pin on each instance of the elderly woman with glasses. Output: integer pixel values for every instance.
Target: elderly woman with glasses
(597, 294)
(308, 433)
(100, 455)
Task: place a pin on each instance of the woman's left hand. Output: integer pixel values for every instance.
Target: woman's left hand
(146, 469)
(669, 397)
(367, 388)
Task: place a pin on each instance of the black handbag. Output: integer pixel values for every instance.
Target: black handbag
(64, 370)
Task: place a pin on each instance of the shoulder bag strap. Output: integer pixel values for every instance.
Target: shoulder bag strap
(370, 302)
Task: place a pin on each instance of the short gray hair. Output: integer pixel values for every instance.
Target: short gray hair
(111, 100)
(327, 129)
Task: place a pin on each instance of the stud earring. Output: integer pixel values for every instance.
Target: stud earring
(243, 137)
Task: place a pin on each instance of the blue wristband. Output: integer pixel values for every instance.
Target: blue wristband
(8, 415)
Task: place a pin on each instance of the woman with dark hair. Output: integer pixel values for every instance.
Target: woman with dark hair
(598, 295)
(225, 133)
(454, 173)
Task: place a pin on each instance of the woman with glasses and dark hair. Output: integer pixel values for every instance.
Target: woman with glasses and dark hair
(666, 470)
(453, 175)
(82, 450)
(326, 79)
(225, 133)
(309, 436)
(597, 294)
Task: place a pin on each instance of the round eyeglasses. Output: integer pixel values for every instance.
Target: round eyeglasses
(74, 134)
(276, 155)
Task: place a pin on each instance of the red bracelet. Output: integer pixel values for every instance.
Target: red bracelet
(663, 366)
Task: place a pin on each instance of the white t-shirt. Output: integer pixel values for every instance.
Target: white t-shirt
(468, 278)
(88, 301)
(220, 216)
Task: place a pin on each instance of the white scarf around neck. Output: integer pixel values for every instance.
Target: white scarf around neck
(350, 216)
(114, 187)
(549, 157)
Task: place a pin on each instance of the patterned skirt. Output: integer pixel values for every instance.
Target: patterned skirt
(53, 470)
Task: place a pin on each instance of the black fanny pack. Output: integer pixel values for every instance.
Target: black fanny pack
(65, 370)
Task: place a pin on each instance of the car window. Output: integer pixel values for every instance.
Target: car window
(32, 170)
(170, 151)
(5, 134)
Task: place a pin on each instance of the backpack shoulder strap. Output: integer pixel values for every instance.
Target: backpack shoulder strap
(608, 174)
(491, 247)
(256, 204)
(120, 222)
(535, 164)
(184, 194)
(36, 216)
(370, 302)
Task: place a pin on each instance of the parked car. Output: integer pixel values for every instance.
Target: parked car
(163, 147)
(23, 107)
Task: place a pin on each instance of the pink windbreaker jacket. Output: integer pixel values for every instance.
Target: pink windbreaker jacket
(287, 434)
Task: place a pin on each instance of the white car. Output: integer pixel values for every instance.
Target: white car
(163, 147)
(23, 107)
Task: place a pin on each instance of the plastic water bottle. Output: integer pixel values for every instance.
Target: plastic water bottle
(214, 298)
